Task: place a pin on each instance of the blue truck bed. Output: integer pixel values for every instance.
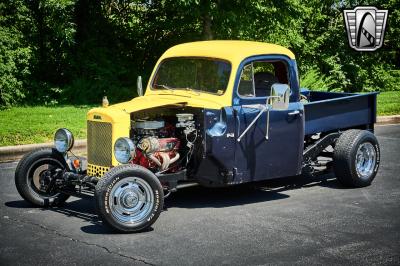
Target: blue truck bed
(330, 111)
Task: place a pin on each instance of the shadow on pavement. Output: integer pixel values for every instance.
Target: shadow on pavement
(99, 229)
(82, 208)
(19, 204)
(196, 197)
(202, 197)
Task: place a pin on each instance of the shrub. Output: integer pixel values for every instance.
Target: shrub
(15, 55)
(385, 79)
(314, 80)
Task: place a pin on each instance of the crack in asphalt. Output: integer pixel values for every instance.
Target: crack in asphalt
(78, 240)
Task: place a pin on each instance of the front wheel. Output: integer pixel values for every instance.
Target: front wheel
(129, 198)
(356, 158)
(34, 177)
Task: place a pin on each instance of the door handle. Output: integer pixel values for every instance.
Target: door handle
(296, 112)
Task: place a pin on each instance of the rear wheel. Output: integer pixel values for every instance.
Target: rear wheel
(34, 177)
(356, 158)
(129, 198)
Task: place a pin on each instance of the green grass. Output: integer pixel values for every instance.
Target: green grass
(24, 125)
(389, 103)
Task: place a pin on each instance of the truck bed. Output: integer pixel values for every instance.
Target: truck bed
(330, 111)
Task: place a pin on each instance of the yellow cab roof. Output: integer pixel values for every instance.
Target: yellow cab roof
(228, 50)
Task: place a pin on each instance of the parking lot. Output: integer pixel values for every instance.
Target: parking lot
(295, 220)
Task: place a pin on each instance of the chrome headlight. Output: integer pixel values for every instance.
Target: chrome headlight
(124, 150)
(63, 140)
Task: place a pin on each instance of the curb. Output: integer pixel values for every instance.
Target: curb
(390, 119)
(12, 153)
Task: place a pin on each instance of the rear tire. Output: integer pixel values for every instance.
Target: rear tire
(129, 198)
(28, 172)
(356, 158)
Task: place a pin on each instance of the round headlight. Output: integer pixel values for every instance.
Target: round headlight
(63, 140)
(124, 150)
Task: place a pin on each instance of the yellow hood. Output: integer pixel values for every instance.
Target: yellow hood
(121, 111)
(191, 98)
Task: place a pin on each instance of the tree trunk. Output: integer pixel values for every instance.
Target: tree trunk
(206, 20)
(41, 34)
(207, 32)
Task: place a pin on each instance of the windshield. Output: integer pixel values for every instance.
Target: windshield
(193, 73)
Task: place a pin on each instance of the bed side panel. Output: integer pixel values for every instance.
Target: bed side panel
(340, 113)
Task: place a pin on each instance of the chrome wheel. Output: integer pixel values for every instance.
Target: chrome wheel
(365, 160)
(131, 200)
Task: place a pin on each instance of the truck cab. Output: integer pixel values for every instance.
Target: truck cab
(228, 82)
(214, 113)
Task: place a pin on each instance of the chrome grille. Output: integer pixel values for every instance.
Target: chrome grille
(99, 143)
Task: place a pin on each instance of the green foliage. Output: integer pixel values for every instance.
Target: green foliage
(53, 36)
(314, 80)
(76, 51)
(15, 54)
(14, 67)
(385, 80)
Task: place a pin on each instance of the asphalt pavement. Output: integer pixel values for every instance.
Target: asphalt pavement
(293, 221)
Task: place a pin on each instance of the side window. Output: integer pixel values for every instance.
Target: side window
(260, 75)
(246, 84)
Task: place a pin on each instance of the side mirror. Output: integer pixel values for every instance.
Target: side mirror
(139, 86)
(279, 99)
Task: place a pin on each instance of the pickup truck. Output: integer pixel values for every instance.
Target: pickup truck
(215, 114)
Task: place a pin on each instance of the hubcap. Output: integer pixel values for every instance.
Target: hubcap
(131, 200)
(365, 160)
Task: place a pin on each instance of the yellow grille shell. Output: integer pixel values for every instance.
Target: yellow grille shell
(119, 120)
(96, 170)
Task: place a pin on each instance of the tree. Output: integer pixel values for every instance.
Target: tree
(15, 53)
(76, 51)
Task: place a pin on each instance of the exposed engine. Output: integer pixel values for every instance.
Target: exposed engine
(159, 142)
